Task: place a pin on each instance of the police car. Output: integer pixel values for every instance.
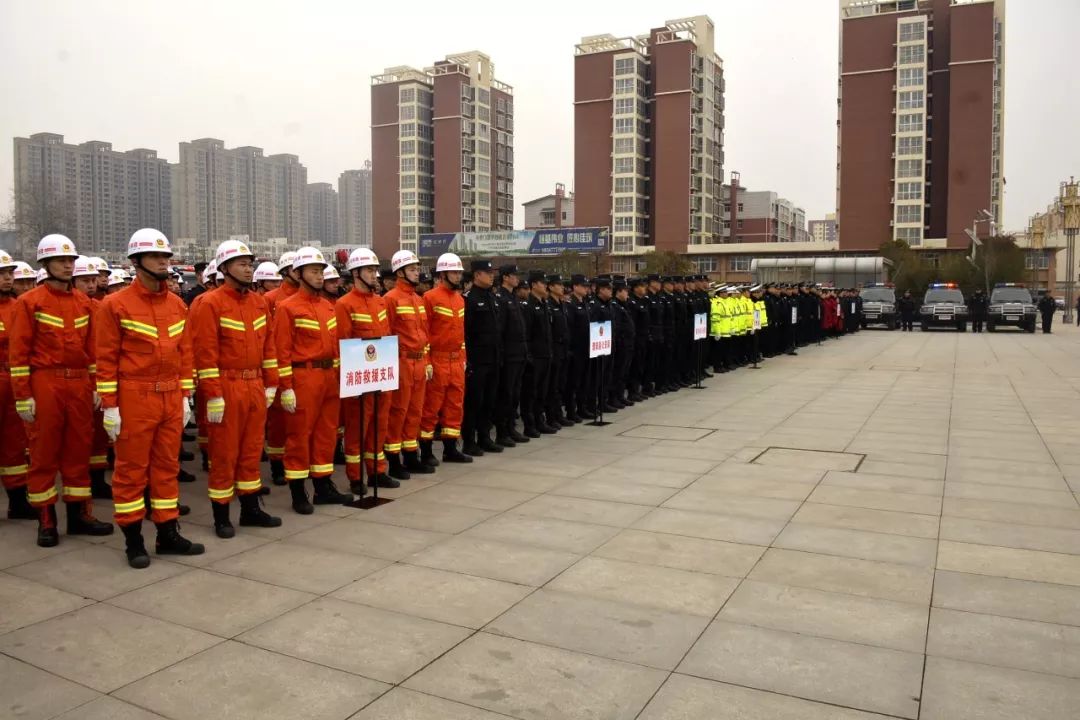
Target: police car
(1011, 304)
(879, 305)
(943, 306)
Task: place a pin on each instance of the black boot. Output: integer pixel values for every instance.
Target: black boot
(531, 432)
(470, 449)
(517, 437)
(205, 460)
(326, 493)
(19, 507)
(184, 476)
(277, 472)
(222, 525)
(47, 534)
(427, 455)
(99, 489)
(135, 549)
(397, 471)
(252, 514)
(413, 464)
(81, 520)
(300, 502)
(384, 481)
(488, 445)
(186, 456)
(451, 454)
(339, 453)
(171, 542)
(502, 442)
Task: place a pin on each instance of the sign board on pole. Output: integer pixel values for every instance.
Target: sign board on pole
(839, 311)
(368, 366)
(515, 242)
(794, 315)
(852, 308)
(757, 320)
(599, 339)
(701, 326)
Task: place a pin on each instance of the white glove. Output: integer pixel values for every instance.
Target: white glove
(429, 371)
(187, 413)
(97, 401)
(271, 393)
(215, 410)
(28, 411)
(288, 401)
(112, 423)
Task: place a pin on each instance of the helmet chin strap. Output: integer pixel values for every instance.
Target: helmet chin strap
(453, 285)
(405, 276)
(308, 285)
(50, 276)
(244, 287)
(359, 276)
(160, 277)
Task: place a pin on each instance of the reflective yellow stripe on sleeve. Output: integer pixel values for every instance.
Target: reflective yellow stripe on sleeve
(269, 364)
(129, 507)
(359, 317)
(208, 373)
(230, 324)
(20, 371)
(140, 328)
(46, 319)
(260, 322)
(82, 321)
(306, 323)
(106, 387)
(285, 371)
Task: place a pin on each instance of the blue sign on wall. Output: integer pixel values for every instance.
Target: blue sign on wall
(515, 242)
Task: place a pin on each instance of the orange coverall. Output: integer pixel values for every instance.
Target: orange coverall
(51, 352)
(444, 396)
(408, 320)
(13, 465)
(275, 416)
(235, 360)
(145, 369)
(363, 315)
(202, 427)
(99, 447)
(305, 332)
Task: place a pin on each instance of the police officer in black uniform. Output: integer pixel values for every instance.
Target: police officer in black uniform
(483, 347)
(638, 307)
(602, 367)
(560, 353)
(624, 345)
(577, 380)
(680, 310)
(515, 354)
(656, 338)
(667, 304)
(534, 390)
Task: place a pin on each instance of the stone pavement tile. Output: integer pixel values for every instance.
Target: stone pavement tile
(17, 538)
(544, 532)
(495, 560)
(682, 553)
(214, 603)
(26, 602)
(615, 489)
(854, 676)
(108, 708)
(388, 542)
(534, 682)
(706, 500)
(500, 479)
(747, 454)
(1009, 562)
(795, 441)
(1010, 512)
(598, 512)
(883, 467)
(718, 446)
(299, 567)
(1003, 493)
(982, 476)
(955, 689)
(473, 496)
(231, 681)
(669, 589)
(631, 633)
(907, 458)
(858, 544)
(688, 698)
(856, 518)
(776, 489)
(876, 500)
(997, 466)
(866, 578)
(421, 514)
(115, 646)
(870, 621)
(888, 483)
(1010, 452)
(1028, 537)
(710, 526)
(1005, 642)
(95, 571)
(779, 456)
(446, 597)
(402, 704)
(767, 473)
(216, 548)
(652, 476)
(1024, 599)
(536, 466)
(32, 694)
(361, 640)
(664, 464)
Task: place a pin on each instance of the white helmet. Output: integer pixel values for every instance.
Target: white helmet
(361, 257)
(230, 250)
(100, 265)
(6, 262)
(266, 271)
(403, 258)
(42, 275)
(24, 271)
(330, 273)
(219, 276)
(286, 260)
(148, 240)
(448, 262)
(308, 256)
(117, 277)
(210, 273)
(56, 246)
(84, 267)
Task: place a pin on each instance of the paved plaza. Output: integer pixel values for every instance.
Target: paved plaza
(885, 526)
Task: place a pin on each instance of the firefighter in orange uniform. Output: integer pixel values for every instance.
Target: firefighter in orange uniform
(275, 417)
(306, 337)
(145, 381)
(51, 352)
(408, 320)
(444, 396)
(236, 367)
(211, 278)
(267, 278)
(86, 279)
(13, 465)
(362, 314)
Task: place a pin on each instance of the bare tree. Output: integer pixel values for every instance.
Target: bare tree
(36, 211)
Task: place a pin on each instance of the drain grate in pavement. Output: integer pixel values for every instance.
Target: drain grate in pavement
(667, 432)
(816, 459)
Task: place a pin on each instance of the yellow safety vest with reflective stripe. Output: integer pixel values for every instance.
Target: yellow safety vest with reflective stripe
(759, 305)
(715, 317)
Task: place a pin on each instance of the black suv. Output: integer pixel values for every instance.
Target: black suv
(879, 305)
(943, 306)
(1011, 304)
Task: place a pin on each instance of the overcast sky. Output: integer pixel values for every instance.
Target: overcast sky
(294, 77)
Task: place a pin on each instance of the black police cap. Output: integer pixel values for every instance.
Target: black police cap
(578, 279)
(653, 277)
(481, 266)
(554, 280)
(505, 270)
(634, 282)
(603, 282)
(618, 284)
(537, 276)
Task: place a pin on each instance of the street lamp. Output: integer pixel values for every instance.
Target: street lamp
(1070, 204)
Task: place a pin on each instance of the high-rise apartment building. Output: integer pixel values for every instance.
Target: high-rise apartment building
(104, 195)
(354, 201)
(823, 230)
(323, 214)
(441, 150)
(761, 216)
(921, 119)
(649, 137)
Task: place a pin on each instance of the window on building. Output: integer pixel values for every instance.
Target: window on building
(624, 165)
(408, 198)
(912, 77)
(624, 203)
(407, 130)
(408, 164)
(624, 145)
(408, 216)
(910, 235)
(1037, 260)
(909, 168)
(706, 264)
(624, 106)
(408, 147)
(408, 181)
(624, 66)
(909, 191)
(407, 95)
(739, 224)
(483, 165)
(740, 207)
(624, 223)
(909, 145)
(911, 100)
(930, 259)
(624, 185)
(912, 31)
(910, 122)
(739, 263)
(912, 54)
(624, 86)
(908, 213)
(624, 125)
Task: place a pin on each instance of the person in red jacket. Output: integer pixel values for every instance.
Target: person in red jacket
(85, 279)
(13, 467)
(275, 416)
(145, 378)
(444, 396)
(51, 353)
(236, 366)
(305, 331)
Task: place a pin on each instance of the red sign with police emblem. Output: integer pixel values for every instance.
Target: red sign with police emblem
(368, 366)
(599, 338)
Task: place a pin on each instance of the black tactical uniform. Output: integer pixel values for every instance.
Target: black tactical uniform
(560, 358)
(515, 354)
(639, 313)
(537, 372)
(483, 347)
(656, 384)
(623, 328)
(577, 380)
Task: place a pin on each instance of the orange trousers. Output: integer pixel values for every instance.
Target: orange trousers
(13, 467)
(236, 442)
(444, 396)
(147, 452)
(275, 429)
(407, 405)
(374, 458)
(99, 447)
(60, 437)
(311, 431)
